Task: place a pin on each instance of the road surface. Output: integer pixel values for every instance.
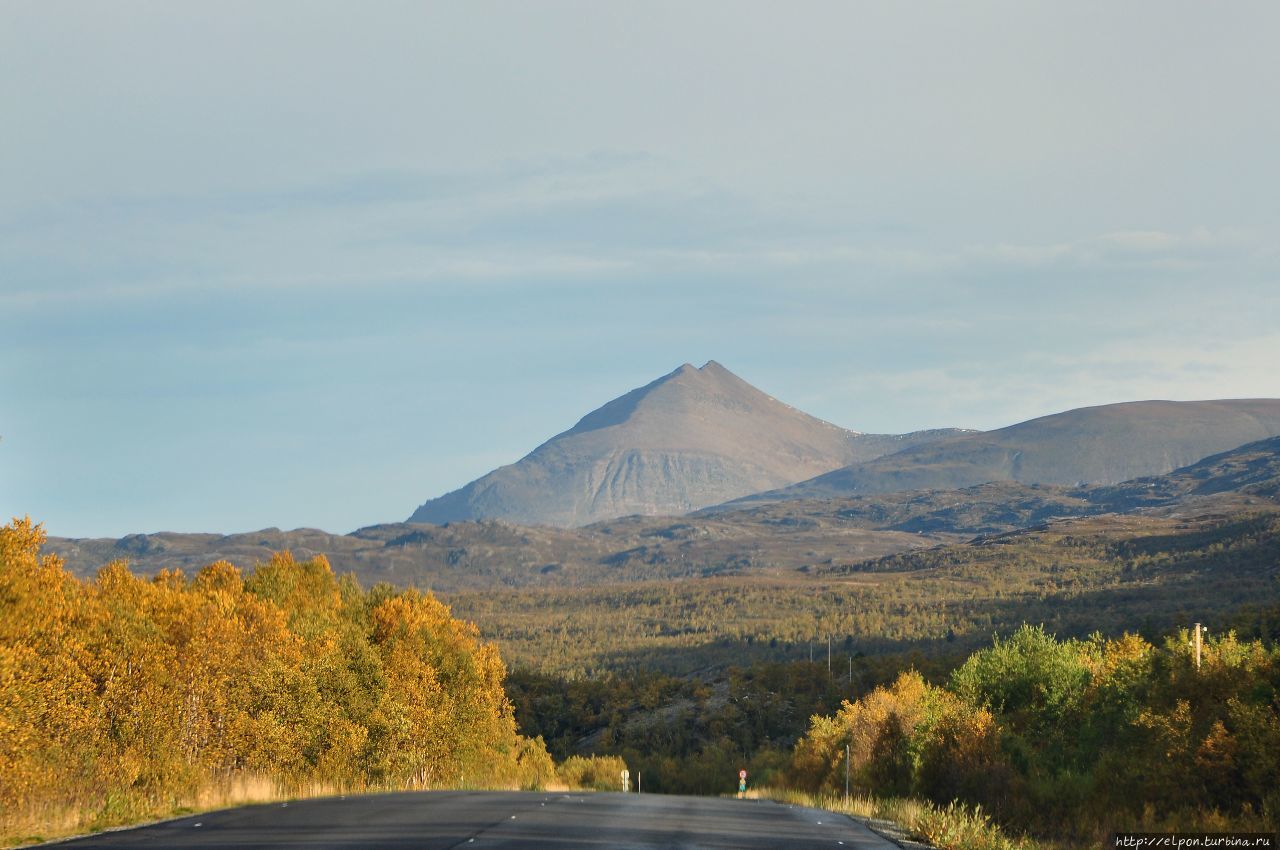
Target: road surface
(437, 820)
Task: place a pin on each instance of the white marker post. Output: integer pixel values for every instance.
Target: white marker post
(626, 781)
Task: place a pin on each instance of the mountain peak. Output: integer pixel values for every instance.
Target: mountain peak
(710, 369)
(675, 393)
(681, 442)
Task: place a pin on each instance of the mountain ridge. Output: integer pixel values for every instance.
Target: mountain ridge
(1098, 445)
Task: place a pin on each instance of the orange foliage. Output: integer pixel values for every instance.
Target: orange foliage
(127, 688)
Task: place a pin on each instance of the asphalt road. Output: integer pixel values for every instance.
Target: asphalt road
(438, 820)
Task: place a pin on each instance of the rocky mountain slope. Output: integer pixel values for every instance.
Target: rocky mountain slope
(1251, 471)
(692, 438)
(1088, 446)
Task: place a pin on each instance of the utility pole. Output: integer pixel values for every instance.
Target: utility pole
(828, 656)
(850, 669)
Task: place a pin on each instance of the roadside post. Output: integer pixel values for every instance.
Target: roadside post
(846, 773)
(626, 781)
(742, 784)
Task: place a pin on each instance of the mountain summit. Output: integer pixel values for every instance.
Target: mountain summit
(692, 438)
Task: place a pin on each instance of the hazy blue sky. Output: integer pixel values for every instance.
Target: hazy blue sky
(313, 263)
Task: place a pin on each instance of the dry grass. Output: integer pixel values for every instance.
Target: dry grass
(45, 821)
(953, 827)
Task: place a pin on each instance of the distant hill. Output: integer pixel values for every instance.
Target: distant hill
(1089, 446)
(757, 539)
(693, 438)
(491, 553)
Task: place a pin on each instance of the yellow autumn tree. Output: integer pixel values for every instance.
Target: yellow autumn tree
(876, 728)
(51, 726)
(125, 696)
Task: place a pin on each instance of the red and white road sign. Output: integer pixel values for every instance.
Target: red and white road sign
(742, 774)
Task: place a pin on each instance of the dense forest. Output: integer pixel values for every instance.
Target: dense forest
(691, 735)
(1063, 739)
(1116, 573)
(124, 697)
(1108, 725)
(1071, 738)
